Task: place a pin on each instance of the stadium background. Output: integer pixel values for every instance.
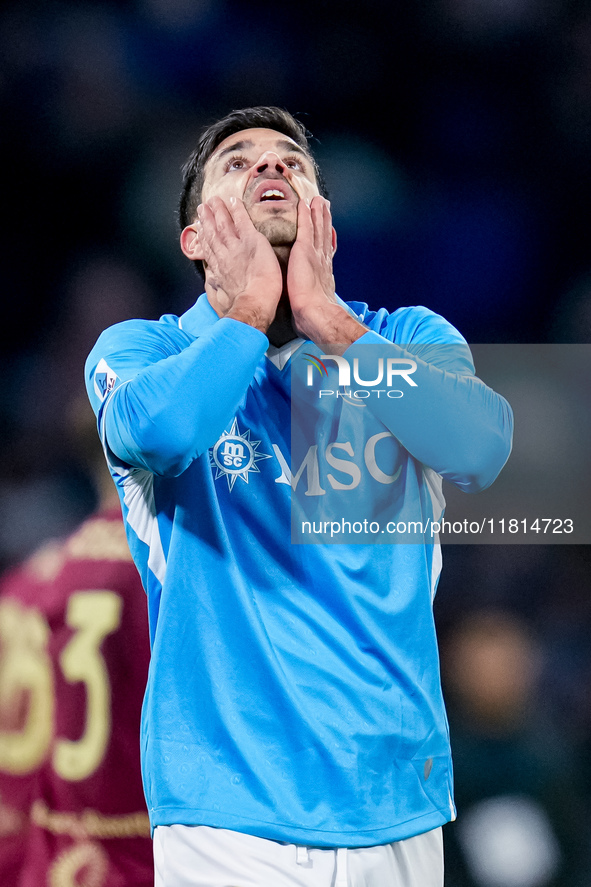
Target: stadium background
(455, 137)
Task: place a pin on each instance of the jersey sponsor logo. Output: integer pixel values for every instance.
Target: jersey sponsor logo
(349, 471)
(104, 379)
(235, 455)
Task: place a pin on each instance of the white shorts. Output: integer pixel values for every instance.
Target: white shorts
(200, 856)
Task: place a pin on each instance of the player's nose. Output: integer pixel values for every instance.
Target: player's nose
(269, 162)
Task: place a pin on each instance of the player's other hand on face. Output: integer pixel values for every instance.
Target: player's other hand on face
(242, 268)
(310, 281)
(317, 314)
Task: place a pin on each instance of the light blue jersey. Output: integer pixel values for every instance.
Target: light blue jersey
(294, 689)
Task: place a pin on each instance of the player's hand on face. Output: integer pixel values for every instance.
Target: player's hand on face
(242, 269)
(310, 281)
(316, 312)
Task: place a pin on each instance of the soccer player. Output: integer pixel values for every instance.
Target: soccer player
(293, 728)
(74, 657)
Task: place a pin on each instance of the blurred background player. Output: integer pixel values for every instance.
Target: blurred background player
(521, 815)
(74, 658)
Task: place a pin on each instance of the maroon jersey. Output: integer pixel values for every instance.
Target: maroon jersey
(73, 665)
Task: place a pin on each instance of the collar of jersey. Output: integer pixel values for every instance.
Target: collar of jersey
(199, 318)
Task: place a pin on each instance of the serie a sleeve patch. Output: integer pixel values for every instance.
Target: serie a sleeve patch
(105, 379)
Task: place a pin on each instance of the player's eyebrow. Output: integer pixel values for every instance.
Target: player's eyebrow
(242, 145)
(293, 147)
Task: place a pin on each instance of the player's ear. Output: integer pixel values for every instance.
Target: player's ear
(334, 241)
(190, 244)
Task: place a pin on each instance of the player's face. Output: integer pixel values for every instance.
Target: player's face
(269, 172)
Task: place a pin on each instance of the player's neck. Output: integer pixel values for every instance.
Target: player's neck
(282, 330)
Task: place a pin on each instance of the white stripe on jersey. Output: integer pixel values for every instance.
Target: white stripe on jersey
(138, 488)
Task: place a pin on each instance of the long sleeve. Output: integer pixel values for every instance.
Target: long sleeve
(163, 397)
(449, 419)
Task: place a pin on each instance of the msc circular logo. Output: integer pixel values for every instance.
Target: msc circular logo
(235, 455)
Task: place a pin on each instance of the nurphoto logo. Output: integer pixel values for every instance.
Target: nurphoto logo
(388, 371)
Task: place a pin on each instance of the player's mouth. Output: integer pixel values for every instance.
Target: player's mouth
(274, 192)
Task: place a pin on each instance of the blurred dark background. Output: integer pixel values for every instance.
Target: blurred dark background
(455, 137)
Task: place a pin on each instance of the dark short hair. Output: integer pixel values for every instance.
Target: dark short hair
(264, 117)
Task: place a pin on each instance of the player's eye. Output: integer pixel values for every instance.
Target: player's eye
(294, 163)
(236, 163)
